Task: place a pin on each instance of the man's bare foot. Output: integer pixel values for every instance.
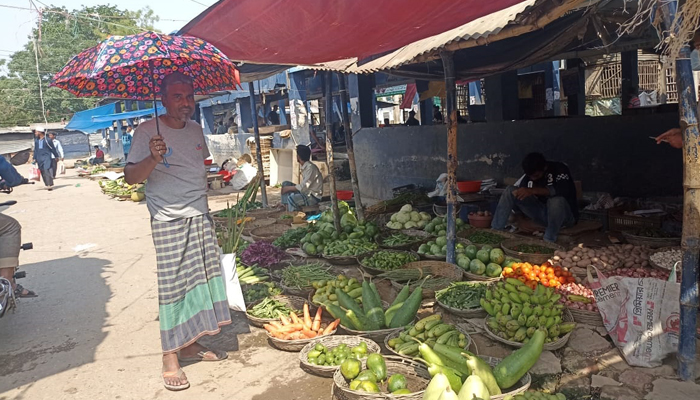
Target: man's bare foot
(197, 352)
(174, 377)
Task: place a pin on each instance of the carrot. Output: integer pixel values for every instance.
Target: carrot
(270, 328)
(294, 318)
(308, 333)
(283, 319)
(317, 320)
(330, 327)
(307, 316)
(276, 324)
(296, 336)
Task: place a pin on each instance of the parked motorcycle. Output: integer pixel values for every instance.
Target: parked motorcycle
(8, 301)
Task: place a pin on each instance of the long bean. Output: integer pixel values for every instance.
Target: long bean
(268, 308)
(302, 276)
(462, 295)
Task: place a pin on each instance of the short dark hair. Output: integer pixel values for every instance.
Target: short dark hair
(97, 147)
(173, 79)
(534, 162)
(304, 153)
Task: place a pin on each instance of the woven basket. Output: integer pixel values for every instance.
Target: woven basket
(654, 243)
(535, 259)
(330, 342)
(421, 237)
(436, 268)
(416, 374)
(377, 336)
(586, 317)
(375, 271)
(661, 250)
(258, 223)
(261, 212)
(341, 260)
(555, 345)
(482, 278)
(396, 334)
(520, 387)
(469, 231)
(304, 292)
(294, 302)
(269, 233)
(294, 345)
(416, 246)
(478, 312)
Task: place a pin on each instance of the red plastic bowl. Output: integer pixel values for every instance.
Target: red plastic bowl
(344, 194)
(480, 221)
(469, 186)
(208, 162)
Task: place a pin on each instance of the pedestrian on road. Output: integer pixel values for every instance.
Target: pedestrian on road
(191, 293)
(44, 152)
(59, 149)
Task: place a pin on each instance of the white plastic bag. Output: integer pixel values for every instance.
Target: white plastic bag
(233, 287)
(642, 315)
(61, 168)
(34, 173)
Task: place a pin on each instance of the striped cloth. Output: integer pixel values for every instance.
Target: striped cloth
(191, 293)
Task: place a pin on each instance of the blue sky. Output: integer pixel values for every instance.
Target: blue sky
(16, 24)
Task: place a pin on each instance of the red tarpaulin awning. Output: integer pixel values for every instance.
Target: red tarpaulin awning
(305, 32)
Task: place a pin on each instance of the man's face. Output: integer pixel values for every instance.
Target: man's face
(179, 101)
(536, 176)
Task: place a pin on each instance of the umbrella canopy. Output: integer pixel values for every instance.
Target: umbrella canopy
(132, 67)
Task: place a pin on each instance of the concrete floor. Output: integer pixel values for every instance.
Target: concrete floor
(93, 332)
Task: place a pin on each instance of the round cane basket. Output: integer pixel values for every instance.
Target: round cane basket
(342, 260)
(555, 345)
(396, 334)
(261, 212)
(330, 342)
(374, 271)
(437, 269)
(269, 233)
(303, 292)
(654, 243)
(481, 278)
(520, 387)
(509, 245)
(420, 237)
(586, 317)
(294, 302)
(416, 246)
(285, 218)
(378, 335)
(467, 233)
(293, 345)
(417, 378)
(258, 223)
(477, 312)
(663, 250)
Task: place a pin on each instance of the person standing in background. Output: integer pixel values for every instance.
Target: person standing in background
(126, 140)
(59, 149)
(273, 117)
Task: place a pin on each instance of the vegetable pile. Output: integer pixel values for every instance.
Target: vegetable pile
(533, 249)
(577, 296)
(325, 290)
(251, 275)
(260, 291)
(294, 328)
(389, 260)
(516, 311)
(429, 331)
(652, 233)
(119, 187)
(321, 355)
(606, 258)
(407, 218)
(375, 378)
(486, 262)
(303, 276)
(270, 309)
(462, 295)
(643, 273)
(485, 237)
(263, 253)
(349, 248)
(438, 226)
(546, 274)
(290, 238)
(354, 239)
(371, 316)
(534, 395)
(398, 239)
(459, 374)
(667, 259)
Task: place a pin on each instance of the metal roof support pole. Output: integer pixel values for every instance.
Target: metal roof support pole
(448, 66)
(328, 94)
(258, 152)
(351, 147)
(691, 201)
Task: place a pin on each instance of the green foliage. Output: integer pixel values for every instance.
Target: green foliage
(63, 34)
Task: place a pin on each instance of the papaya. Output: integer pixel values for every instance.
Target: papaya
(377, 364)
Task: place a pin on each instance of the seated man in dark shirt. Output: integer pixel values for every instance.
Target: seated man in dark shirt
(546, 194)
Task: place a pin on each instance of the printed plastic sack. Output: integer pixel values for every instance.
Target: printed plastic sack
(34, 173)
(640, 314)
(233, 287)
(61, 168)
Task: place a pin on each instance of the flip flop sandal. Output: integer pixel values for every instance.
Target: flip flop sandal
(220, 356)
(19, 290)
(175, 374)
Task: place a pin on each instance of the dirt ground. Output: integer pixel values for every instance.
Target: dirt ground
(93, 331)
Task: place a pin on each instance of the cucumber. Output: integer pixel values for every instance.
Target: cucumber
(408, 350)
(441, 330)
(442, 339)
(509, 371)
(429, 322)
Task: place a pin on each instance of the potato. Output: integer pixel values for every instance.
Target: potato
(645, 263)
(582, 264)
(556, 258)
(629, 264)
(576, 258)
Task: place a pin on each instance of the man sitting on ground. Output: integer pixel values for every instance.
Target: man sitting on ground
(310, 190)
(546, 194)
(99, 156)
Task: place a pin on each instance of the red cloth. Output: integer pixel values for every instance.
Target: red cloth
(226, 176)
(408, 96)
(99, 154)
(303, 32)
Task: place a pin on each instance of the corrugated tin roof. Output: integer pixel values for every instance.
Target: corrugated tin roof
(15, 146)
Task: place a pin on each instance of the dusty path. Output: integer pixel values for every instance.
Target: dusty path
(93, 332)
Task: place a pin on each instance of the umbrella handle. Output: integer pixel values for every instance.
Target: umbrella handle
(155, 112)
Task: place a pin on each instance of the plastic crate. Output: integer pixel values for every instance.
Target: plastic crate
(618, 221)
(596, 215)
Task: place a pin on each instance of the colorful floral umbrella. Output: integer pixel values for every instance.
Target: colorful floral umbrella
(132, 67)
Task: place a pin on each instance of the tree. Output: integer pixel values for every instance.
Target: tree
(60, 35)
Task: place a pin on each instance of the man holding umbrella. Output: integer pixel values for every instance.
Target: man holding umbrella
(191, 292)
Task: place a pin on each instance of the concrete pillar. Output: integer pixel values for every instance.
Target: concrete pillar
(362, 101)
(576, 92)
(630, 76)
(298, 112)
(502, 97)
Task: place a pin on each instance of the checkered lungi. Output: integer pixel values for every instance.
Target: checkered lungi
(191, 292)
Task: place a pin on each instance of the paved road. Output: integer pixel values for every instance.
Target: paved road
(93, 332)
